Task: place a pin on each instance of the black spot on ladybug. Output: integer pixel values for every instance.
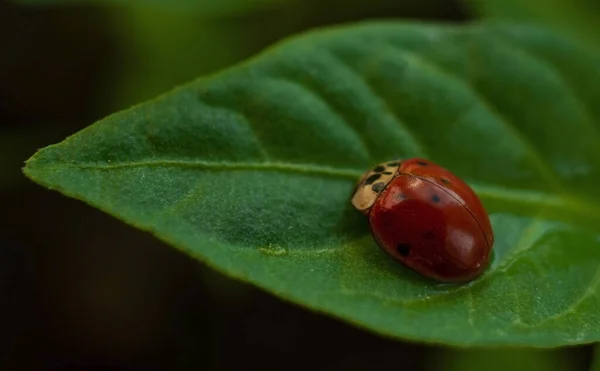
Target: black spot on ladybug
(378, 187)
(393, 164)
(387, 172)
(378, 169)
(372, 178)
(435, 198)
(429, 235)
(422, 163)
(403, 249)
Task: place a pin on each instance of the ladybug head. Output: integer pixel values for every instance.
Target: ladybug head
(372, 183)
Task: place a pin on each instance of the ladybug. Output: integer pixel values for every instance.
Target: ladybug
(427, 218)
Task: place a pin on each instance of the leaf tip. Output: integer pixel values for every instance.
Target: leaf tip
(31, 167)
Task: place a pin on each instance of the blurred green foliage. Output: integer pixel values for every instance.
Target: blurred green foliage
(159, 49)
(596, 359)
(505, 359)
(577, 18)
(204, 7)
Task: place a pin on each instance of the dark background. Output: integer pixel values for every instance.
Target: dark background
(79, 290)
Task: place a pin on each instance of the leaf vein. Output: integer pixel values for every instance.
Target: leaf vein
(262, 150)
(308, 169)
(419, 146)
(312, 91)
(580, 104)
(589, 292)
(510, 127)
(526, 241)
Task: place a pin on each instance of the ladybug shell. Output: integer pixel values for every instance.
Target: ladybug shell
(431, 221)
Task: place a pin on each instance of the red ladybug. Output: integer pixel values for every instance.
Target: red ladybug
(427, 218)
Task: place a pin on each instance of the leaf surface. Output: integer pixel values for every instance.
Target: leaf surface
(251, 171)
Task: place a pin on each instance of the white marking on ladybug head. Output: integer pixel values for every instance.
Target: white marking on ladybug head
(372, 183)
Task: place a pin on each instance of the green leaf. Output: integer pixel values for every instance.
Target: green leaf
(251, 171)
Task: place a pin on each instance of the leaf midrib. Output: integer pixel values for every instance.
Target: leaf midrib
(534, 200)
